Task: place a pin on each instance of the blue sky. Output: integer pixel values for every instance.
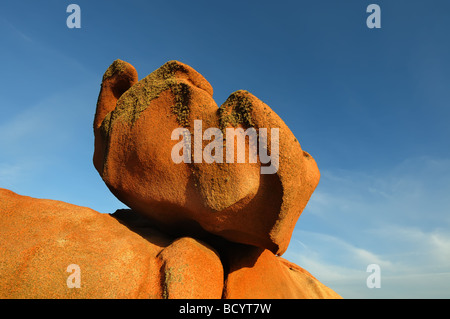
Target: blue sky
(370, 105)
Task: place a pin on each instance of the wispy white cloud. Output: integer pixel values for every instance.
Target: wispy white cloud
(418, 250)
(12, 173)
(415, 190)
(397, 219)
(418, 269)
(35, 129)
(49, 138)
(14, 30)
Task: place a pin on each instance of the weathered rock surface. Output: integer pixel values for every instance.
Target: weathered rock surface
(41, 238)
(123, 256)
(256, 273)
(207, 223)
(133, 129)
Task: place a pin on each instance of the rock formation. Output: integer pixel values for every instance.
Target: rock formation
(211, 225)
(40, 238)
(133, 129)
(122, 255)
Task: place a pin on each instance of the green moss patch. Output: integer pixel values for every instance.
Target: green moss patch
(181, 107)
(137, 98)
(117, 67)
(236, 111)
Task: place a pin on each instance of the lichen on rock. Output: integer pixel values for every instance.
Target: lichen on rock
(137, 98)
(117, 67)
(236, 110)
(135, 160)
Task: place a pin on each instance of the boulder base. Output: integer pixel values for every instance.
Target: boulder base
(123, 256)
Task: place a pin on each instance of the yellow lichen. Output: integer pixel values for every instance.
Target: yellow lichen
(117, 67)
(236, 111)
(137, 98)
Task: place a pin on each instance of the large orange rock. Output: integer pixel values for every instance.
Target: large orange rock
(133, 129)
(123, 256)
(41, 238)
(256, 273)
